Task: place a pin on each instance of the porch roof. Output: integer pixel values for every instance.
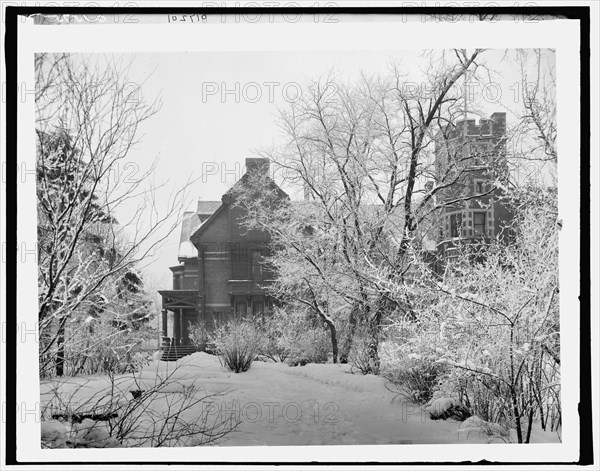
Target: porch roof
(179, 298)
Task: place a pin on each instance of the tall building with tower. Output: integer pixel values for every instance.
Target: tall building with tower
(470, 158)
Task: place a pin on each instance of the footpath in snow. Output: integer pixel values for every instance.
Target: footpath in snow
(305, 405)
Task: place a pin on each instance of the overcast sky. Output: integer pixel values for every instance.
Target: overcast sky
(219, 106)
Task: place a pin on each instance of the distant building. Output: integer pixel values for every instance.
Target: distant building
(473, 156)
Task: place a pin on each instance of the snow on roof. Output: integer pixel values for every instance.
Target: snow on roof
(191, 222)
(187, 250)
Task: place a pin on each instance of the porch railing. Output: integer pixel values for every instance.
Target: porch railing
(177, 342)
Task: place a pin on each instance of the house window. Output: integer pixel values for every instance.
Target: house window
(239, 263)
(479, 186)
(455, 225)
(479, 224)
(256, 266)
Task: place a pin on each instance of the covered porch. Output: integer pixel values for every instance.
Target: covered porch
(183, 304)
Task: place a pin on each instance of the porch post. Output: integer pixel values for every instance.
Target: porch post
(182, 329)
(176, 327)
(164, 323)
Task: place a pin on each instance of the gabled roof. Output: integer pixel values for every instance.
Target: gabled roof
(265, 182)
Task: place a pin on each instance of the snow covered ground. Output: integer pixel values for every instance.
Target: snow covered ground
(304, 405)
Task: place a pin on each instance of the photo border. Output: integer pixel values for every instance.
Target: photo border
(577, 13)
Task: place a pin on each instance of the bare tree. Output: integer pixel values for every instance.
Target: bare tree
(531, 139)
(361, 156)
(88, 118)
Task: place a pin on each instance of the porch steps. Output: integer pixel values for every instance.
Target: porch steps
(175, 352)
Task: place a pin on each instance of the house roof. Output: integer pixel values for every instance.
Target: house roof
(206, 208)
(254, 180)
(191, 223)
(256, 176)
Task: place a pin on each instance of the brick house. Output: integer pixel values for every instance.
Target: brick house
(220, 271)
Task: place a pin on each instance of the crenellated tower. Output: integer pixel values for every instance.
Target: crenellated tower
(470, 162)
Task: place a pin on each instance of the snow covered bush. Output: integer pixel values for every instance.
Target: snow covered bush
(412, 368)
(237, 342)
(416, 379)
(409, 358)
(273, 326)
(482, 394)
(306, 338)
(360, 357)
(199, 335)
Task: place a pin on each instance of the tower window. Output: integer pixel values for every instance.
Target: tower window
(479, 224)
(479, 152)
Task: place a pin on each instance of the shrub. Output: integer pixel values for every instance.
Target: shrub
(237, 342)
(199, 335)
(483, 395)
(359, 358)
(409, 360)
(415, 377)
(99, 346)
(273, 327)
(306, 339)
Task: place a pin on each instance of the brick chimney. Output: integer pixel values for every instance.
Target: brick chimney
(259, 165)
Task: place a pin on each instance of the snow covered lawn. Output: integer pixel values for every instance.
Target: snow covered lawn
(304, 405)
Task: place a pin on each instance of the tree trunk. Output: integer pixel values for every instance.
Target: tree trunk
(513, 395)
(60, 353)
(373, 331)
(529, 426)
(334, 340)
(347, 343)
